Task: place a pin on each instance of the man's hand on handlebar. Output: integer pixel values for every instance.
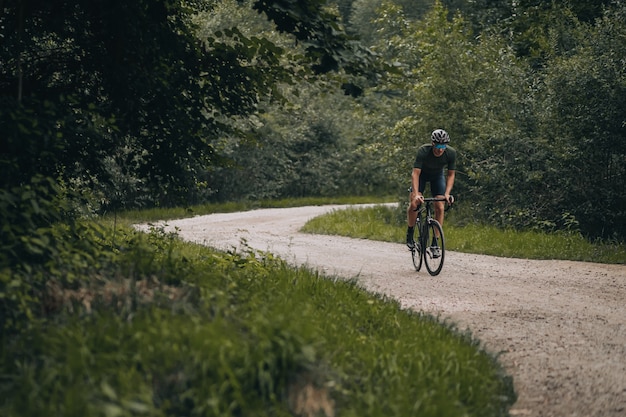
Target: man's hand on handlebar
(417, 197)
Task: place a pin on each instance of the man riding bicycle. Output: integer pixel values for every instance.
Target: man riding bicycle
(430, 161)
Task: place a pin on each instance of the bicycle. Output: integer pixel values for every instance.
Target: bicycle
(428, 230)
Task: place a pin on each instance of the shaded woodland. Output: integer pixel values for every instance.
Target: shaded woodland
(110, 105)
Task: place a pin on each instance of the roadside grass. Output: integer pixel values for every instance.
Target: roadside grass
(170, 328)
(533, 245)
(388, 223)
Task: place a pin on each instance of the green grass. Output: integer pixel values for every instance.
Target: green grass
(532, 245)
(186, 330)
(133, 324)
(388, 224)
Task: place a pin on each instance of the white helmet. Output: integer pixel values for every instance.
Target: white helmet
(440, 136)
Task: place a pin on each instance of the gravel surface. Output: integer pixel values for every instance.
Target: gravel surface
(559, 326)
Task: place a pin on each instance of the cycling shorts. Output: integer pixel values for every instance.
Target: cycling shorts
(437, 183)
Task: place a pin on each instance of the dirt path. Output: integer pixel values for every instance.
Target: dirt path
(561, 326)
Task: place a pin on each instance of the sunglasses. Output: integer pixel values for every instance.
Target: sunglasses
(440, 146)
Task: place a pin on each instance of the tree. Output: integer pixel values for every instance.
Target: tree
(89, 69)
(584, 119)
(437, 83)
(320, 31)
(81, 80)
(124, 102)
(366, 12)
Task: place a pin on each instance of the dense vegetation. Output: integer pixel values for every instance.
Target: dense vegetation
(172, 329)
(179, 103)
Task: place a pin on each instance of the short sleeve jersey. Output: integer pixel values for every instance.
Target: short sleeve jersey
(429, 163)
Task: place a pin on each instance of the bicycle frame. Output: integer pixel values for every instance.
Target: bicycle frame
(429, 246)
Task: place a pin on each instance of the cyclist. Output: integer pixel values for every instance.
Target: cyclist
(429, 167)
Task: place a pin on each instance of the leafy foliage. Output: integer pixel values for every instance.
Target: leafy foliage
(320, 31)
(81, 82)
(585, 92)
(93, 73)
(528, 128)
(147, 104)
(306, 150)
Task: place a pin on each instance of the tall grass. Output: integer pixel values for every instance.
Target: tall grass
(208, 333)
(533, 245)
(387, 223)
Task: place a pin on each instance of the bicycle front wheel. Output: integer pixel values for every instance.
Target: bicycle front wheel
(434, 253)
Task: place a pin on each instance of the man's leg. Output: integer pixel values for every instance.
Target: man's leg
(411, 218)
(439, 210)
(411, 214)
(438, 187)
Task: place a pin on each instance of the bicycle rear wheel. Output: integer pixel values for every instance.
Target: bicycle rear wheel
(434, 253)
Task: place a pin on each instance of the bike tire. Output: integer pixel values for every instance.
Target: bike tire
(416, 251)
(417, 255)
(434, 238)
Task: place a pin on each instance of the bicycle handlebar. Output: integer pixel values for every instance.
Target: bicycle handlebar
(431, 199)
(438, 199)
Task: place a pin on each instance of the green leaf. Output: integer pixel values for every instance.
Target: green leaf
(108, 391)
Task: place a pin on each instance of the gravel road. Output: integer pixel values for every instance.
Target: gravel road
(559, 326)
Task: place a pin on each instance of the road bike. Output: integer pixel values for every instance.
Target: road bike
(429, 246)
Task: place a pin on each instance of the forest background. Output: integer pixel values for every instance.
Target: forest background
(106, 106)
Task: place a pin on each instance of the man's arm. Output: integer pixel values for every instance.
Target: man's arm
(416, 196)
(450, 184)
